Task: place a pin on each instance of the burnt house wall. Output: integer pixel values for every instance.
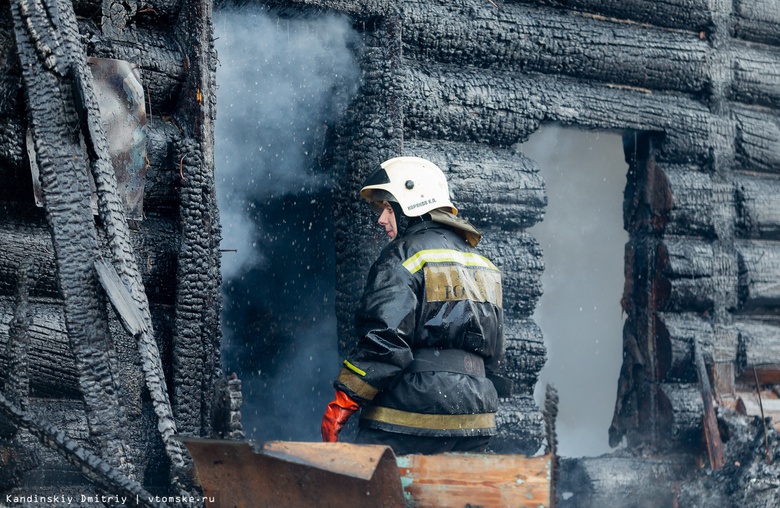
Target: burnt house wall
(694, 88)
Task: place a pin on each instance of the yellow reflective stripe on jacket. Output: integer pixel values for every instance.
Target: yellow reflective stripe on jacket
(354, 369)
(429, 421)
(357, 385)
(418, 260)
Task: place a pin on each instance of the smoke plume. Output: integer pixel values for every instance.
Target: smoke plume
(281, 83)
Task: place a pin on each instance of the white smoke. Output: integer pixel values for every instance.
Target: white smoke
(280, 81)
(583, 241)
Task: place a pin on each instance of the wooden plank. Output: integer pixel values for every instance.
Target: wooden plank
(485, 480)
(748, 404)
(126, 308)
(711, 432)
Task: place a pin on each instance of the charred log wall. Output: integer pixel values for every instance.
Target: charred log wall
(693, 85)
(165, 376)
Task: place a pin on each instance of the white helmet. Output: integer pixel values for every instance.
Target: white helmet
(416, 184)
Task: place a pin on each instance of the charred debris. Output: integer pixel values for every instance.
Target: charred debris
(93, 394)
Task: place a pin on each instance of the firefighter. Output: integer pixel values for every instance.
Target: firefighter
(429, 323)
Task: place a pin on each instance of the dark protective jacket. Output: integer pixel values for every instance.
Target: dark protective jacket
(430, 325)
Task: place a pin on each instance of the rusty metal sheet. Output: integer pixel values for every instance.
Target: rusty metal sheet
(470, 479)
(120, 97)
(294, 474)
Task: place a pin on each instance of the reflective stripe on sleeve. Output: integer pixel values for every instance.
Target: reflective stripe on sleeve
(354, 369)
(357, 385)
(429, 421)
(418, 260)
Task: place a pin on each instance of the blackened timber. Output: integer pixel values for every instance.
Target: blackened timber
(370, 133)
(154, 12)
(758, 210)
(17, 372)
(91, 465)
(520, 426)
(63, 169)
(759, 274)
(679, 414)
(155, 246)
(198, 336)
(675, 199)
(675, 336)
(758, 348)
(757, 20)
(525, 354)
(758, 140)
(536, 39)
(163, 179)
(757, 76)
(709, 421)
(684, 275)
(520, 259)
(361, 10)
(621, 480)
(55, 373)
(693, 15)
(499, 109)
(159, 57)
(495, 187)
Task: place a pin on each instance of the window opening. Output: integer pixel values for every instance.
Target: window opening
(583, 242)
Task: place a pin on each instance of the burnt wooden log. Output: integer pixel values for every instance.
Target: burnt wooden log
(759, 274)
(155, 248)
(198, 336)
(758, 211)
(757, 76)
(757, 20)
(141, 12)
(673, 198)
(163, 179)
(520, 426)
(758, 140)
(639, 482)
(53, 369)
(680, 414)
(525, 354)
(675, 336)
(16, 378)
(534, 39)
(370, 134)
(498, 108)
(759, 349)
(684, 275)
(693, 15)
(492, 187)
(709, 422)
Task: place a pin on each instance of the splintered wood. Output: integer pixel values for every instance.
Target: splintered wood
(462, 479)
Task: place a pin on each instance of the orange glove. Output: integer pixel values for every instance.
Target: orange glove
(336, 415)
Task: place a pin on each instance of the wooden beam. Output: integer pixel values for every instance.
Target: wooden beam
(710, 422)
